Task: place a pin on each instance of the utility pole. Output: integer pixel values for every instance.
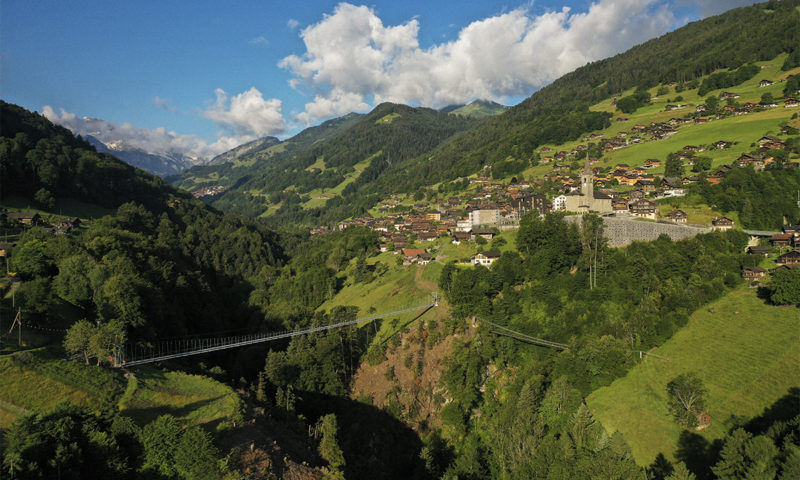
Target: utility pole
(17, 323)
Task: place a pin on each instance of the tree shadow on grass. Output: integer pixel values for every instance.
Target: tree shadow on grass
(144, 415)
(783, 410)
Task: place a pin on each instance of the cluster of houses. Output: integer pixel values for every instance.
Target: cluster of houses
(14, 220)
(789, 237)
(210, 191)
(31, 219)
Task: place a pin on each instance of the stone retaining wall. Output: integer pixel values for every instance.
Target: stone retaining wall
(623, 231)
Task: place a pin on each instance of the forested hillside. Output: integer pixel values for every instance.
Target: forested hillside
(163, 264)
(387, 136)
(231, 173)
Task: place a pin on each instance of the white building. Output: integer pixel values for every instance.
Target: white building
(560, 203)
(463, 225)
(484, 217)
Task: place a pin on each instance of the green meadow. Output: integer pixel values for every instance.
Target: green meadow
(746, 352)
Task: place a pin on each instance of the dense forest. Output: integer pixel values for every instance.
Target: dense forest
(163, 264)
(642, 294)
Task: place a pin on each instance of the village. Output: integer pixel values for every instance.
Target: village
(489, 207)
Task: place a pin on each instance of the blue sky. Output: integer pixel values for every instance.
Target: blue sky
(202, 76)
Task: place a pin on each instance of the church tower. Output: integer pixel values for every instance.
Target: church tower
(587, 182)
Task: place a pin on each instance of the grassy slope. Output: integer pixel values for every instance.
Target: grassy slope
(399, 288)
(66, 207)
(747, 354)
(195, 399)
(745, 129)
(37, 380)
(320, 196)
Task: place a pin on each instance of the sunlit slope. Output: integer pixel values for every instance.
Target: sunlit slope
(747, 354)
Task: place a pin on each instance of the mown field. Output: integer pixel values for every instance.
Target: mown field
(37, 380)
(747, 354)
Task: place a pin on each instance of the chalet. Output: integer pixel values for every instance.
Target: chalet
(26, 218)
(722, 223)
(771, 143)
(765, 83)
(791, 228)
(689, 180)
(789, 259)
(66, 225)
(560, 167)
(427, 236)
(781, 239)
(646, 185)
(754, 273)
(750, 106)
(619, 205)
(482, 232)
(411, 255)
(424, 258)
(716, 177)
(652, 163)
(701, 108)
(758, 250)
(486, 258)
(545, 149)
(722, 144)
(692, 148)
(677, 216)
(671, 107)
(791, 102)
(727, 95)
(756, 162)
(643, 208)
(636, 195)
(459, 237)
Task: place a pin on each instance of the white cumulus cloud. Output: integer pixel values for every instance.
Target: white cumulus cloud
(352, 60)
(247, 113)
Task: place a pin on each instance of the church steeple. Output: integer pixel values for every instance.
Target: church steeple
(587, 180)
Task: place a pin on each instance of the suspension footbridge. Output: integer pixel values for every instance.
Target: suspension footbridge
(132, 355)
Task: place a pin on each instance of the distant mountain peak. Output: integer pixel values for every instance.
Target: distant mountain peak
(476, 108)
(158, 163)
